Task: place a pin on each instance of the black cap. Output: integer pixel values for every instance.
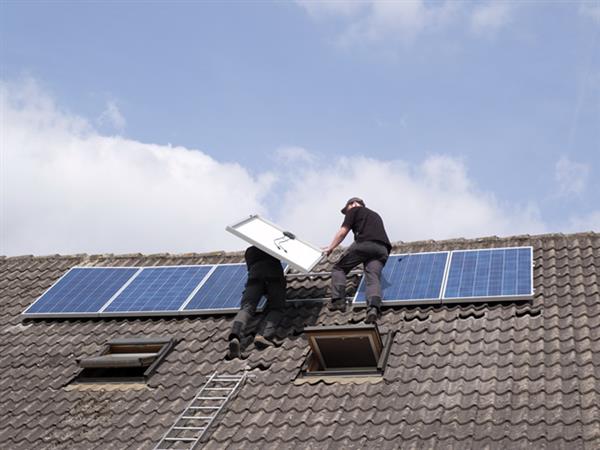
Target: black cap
(352, 200)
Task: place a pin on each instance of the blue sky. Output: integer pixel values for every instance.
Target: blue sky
(450, 118)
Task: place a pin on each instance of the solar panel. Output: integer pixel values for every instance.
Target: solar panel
(221, 291)
(281, 244)
(501, 273)
(82, 290)
(410, 279)
(158, 289)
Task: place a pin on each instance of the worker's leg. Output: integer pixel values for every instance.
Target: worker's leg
(276, 290)
(252, 294)
(349, 260)
(373, 269)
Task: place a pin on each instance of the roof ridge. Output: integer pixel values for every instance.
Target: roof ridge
(191, 255)
(493, 238)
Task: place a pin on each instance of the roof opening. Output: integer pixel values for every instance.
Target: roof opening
(125, 360)
(348, 350)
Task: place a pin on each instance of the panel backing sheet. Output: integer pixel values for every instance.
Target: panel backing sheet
(410, 279)
(501, 273)
(82, 290)
(270, 238)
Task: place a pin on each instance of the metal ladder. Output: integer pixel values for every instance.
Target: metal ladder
(197, 417)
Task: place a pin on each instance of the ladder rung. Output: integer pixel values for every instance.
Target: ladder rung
(189, 428)
(193, 417)
(211, 398)
(218, 389)
(224, 378)
(180, 439)
(201, 417)
(205, 407)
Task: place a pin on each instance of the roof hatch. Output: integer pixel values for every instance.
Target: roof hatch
(346, 350)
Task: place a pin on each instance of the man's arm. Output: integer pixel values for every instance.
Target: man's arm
(337, 240)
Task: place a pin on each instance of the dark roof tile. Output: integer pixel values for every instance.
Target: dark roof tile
(506, 375)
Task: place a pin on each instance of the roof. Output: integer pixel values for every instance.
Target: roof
(511, 375)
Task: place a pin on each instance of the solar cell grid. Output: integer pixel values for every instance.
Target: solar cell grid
(222, 290)
(410, 278)
(82, 290)
(159, 289)
(490, 273)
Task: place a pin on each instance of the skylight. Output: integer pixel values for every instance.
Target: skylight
(346, 350)
(125, 360)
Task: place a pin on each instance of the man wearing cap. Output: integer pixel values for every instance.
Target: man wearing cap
(371, 247)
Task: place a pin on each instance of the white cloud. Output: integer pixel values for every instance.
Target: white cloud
(295, 155)
(320, 9)
(66, 188)
(112, 116)
(403, 21)
(571, 176)
(434, 199)
(590, 9)
(374, 21)
(491, 16)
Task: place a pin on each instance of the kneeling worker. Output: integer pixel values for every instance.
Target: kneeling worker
(371, 247)
(265, 277)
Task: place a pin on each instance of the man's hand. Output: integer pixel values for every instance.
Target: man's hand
(337, 240)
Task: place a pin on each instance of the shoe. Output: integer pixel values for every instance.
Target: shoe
(338, 304)
(261, 342)
(372, 315)
(234, 348)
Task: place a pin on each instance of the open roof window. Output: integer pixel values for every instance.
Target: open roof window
(125, 360)
(352, 350)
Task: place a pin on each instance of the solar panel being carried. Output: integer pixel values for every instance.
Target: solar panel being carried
(82, 290)
(490, 274)
(409, 279)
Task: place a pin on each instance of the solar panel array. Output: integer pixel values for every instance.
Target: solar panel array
(140, 291)
(498, 274)
(436, 277)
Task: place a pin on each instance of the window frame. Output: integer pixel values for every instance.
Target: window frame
(135, 346)
(316, 366)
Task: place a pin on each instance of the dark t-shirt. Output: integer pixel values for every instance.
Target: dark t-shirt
(366, 225)
(261, 263)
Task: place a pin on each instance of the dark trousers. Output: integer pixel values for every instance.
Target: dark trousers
(271, 287)
(374, 256)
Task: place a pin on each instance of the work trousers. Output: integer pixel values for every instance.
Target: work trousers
(257, 287)
(373, 256)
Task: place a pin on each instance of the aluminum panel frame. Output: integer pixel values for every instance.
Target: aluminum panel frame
(493, 298)
(270, 238)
